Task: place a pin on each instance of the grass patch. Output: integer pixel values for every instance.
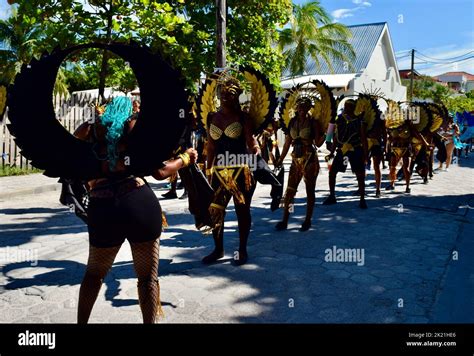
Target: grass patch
(17, 171)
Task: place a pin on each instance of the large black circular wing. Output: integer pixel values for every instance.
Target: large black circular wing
(51, 147)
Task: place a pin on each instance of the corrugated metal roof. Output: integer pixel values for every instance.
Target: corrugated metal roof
(364, 39)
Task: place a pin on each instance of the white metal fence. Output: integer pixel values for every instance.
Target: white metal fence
(71, 112)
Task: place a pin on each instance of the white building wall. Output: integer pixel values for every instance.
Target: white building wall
(378, 63)
(470, 85)
(388, 87)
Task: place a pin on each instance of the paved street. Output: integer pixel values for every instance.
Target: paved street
(417, 260)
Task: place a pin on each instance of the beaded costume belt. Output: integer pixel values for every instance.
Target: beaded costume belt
(117, 189)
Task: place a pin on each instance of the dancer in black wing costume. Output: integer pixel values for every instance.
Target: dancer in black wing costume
(113, 154)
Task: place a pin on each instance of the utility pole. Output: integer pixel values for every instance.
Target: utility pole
(221, 20)
(412, 73)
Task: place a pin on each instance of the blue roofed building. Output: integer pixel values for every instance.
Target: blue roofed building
(373, 69)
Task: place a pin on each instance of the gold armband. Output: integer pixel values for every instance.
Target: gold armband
(186, 159)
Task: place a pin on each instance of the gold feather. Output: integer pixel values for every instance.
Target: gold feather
(325, 108)
(288, 108)
(394, 117)
(423, 119)
(207, 101)
(437, 117)
(437, 122)
(317, 109)
(259, 102)
(367, 107)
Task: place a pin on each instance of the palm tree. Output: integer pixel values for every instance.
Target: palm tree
(17, 47)
(312, 33)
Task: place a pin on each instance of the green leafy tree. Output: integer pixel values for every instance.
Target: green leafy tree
(18, 39)
(313, 34)
(459, 103)
(427, 88)
(182, 31)
(470, 94)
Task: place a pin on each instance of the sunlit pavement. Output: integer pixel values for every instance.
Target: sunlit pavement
(414, 260)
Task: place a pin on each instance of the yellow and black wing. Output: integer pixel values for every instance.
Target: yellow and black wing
(367, 108)
(3, 101)
(444, 113)
(206, 102)
(436, 116)
(420, 117)
(287, 107)
(325, 108)
(263, 101)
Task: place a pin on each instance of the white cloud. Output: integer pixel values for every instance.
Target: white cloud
(342, 13)
(362, 2)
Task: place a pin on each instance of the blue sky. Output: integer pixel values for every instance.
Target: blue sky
(435, 28)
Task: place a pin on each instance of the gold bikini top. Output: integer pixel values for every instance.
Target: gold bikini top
(233, 130)
(304, 132)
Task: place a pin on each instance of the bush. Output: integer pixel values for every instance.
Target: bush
(16, 171)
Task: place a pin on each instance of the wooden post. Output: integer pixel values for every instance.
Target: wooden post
(412, 73)
(221, 21)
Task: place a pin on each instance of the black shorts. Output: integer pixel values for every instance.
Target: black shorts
(135, 216)
(355, 158)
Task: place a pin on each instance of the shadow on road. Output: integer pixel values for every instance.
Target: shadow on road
(400, 258)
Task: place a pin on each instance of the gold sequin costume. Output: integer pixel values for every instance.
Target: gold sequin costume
(229, 181)
(304, 164)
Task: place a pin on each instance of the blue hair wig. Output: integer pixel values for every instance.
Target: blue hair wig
(115, 115)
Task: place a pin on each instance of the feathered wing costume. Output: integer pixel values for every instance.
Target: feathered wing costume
(260, 108)
(316, 96)
(324, 107)
(51, 147)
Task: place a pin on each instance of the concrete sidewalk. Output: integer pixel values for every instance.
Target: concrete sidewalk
(29, 184)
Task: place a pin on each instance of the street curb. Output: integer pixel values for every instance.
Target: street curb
(31, 191)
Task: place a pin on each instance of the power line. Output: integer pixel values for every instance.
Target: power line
(402, 53)
(455, 61)
(407, 55)
(445, 59)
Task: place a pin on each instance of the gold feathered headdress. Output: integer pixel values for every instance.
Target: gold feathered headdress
(322, 100)
(261, 97)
